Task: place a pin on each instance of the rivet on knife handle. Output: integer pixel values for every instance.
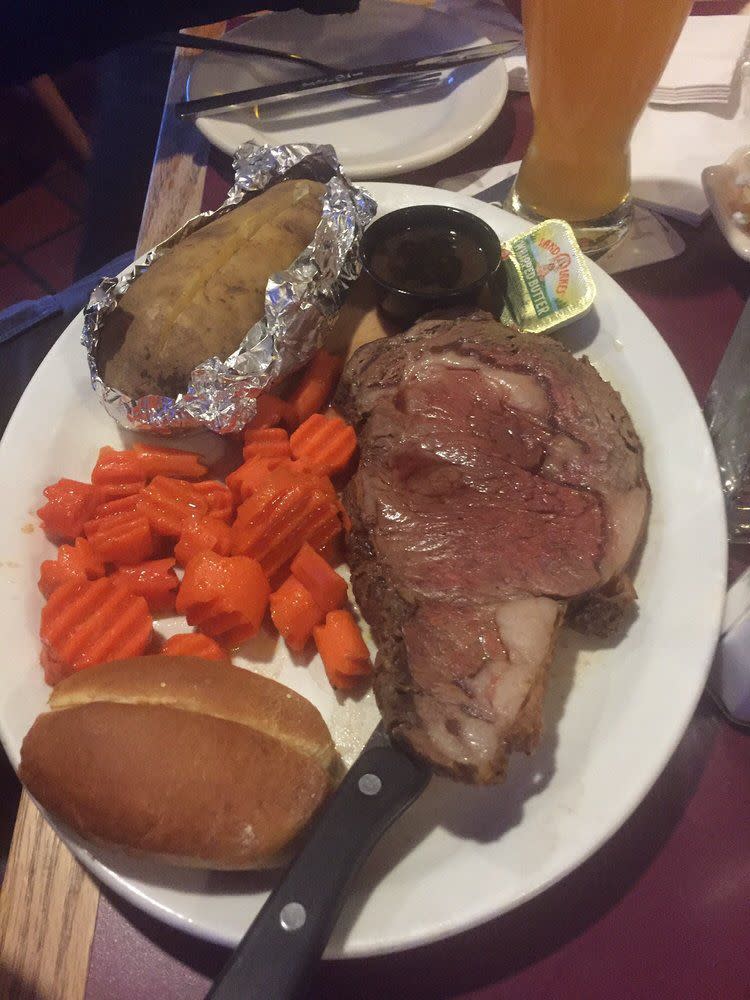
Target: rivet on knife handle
(275, 958)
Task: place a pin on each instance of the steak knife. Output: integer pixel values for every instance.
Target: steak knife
(258, 96)
(275, 957)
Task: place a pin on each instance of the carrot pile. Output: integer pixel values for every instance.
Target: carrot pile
(153, 534)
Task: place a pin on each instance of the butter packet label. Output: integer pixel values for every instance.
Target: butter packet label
(548, 280)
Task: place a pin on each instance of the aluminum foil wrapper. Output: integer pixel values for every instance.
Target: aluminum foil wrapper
(728, 413)
(301, 301)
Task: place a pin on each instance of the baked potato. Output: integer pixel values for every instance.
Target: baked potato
(201, 298)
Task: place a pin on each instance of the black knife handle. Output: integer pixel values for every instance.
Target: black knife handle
(179, 39)
(275, 958)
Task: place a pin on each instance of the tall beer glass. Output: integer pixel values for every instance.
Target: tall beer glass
(592, 66)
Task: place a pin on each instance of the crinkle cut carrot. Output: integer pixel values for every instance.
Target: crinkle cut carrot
(73, 562)
(193, 644)
(114, 467)
(274, 523)
(269, 442)
(169, 462)
(211, 617)
(90, 622)
(272, 411)
(254, 528)
(279, 503)
(203, 534)
(69, 505)
(325, 444)
(168, 503)
(218, 497)
(107, 492)
(230, 611)
(318, 525)
(251, 476)
(294, 612)
(271, 490)
(127, 502)
(246, 479)
(317, 385)
(123, 538)
(155, 581)
(345, 655)
(286, 477)
(302, 468)
(225, 596)
(54, 671)
(327, 588)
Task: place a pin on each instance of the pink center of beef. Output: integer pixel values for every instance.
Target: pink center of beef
(462, 509)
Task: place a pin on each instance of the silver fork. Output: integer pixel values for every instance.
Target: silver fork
(384, 88)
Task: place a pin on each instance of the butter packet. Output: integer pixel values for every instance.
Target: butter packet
(548, 280)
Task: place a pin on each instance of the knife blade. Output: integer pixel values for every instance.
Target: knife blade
(274, 958)
(260, 96)
(727, 412)
(184, 40)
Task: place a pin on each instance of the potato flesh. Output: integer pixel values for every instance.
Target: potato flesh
(200, 299)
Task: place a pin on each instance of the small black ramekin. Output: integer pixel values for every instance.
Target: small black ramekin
(405, 304)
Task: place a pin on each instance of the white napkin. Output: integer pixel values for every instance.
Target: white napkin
(703, 66)
(701, 70)
(671, 147)
(650, 238)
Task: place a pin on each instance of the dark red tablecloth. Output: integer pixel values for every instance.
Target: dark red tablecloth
(661, 912)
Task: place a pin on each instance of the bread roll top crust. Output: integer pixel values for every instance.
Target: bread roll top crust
(219, 690)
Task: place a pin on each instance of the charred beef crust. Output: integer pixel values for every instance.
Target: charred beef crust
(386, 611)
(604, 613)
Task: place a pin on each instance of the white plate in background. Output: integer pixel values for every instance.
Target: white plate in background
(613, 715)
(722, 184)
(372, 138)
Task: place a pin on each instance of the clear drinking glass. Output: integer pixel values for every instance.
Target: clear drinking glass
(592, 65)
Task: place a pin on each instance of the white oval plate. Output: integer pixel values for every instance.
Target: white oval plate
(614, 713)
(373, 138)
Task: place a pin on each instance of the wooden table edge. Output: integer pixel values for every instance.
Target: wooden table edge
(48, 902)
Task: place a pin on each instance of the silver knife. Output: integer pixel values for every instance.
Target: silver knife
(274, 960)
(259, 96)
(727, 411)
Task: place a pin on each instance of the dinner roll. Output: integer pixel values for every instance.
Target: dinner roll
(203, 764)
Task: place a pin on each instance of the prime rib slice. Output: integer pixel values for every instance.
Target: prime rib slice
(500, 482)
